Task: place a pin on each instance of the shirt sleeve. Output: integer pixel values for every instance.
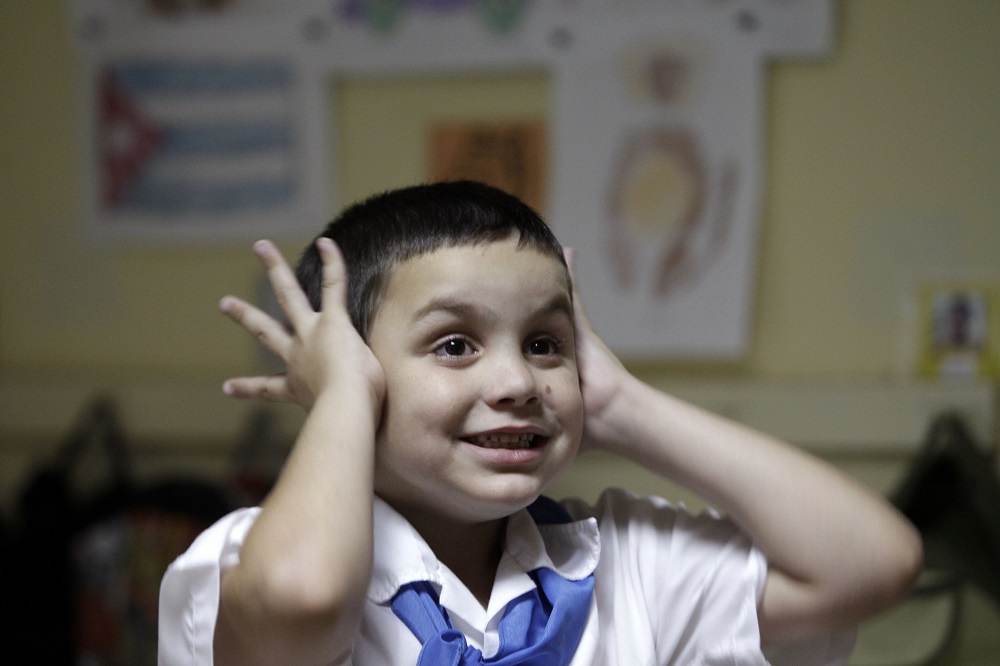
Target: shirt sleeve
(698, 579)
(189, 592)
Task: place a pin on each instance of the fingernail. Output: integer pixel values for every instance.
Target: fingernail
(227, 388)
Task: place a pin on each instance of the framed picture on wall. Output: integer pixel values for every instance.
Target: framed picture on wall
(506, 154)
(959, 331)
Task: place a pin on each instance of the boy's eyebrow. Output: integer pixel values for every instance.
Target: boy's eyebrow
(561, 303)
(450, 305)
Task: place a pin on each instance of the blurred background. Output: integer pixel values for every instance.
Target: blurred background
(880, 162)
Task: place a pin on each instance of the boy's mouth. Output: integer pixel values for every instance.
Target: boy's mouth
(506, 440)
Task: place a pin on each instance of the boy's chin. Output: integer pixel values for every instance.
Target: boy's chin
(489, 508)
(500, 502)
(494, 499)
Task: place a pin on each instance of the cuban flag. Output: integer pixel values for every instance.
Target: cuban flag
(196, 139)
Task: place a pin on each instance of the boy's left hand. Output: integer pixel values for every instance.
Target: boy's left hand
(602, 376)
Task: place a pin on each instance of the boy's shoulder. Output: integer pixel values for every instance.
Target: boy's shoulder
(669, 533)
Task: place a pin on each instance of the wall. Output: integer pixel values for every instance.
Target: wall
(882, 170)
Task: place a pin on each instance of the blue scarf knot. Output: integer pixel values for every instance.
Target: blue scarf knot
(542, 627)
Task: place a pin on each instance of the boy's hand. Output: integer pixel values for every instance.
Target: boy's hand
(836, 552)
(297, 592)
(318, 348)
(602, 376)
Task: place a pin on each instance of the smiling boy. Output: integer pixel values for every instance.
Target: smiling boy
(449, 376)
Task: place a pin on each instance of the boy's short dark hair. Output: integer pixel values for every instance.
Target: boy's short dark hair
(385, 230)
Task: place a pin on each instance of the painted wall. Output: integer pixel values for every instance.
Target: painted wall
(883, 162)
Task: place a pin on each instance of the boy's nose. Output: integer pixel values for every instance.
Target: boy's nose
(513, 382)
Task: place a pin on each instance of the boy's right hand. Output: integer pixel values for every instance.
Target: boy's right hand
(318, 348)
(296, 594)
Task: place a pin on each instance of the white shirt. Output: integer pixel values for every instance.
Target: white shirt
(670, 588)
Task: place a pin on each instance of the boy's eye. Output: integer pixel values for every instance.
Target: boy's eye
(453, 347)
(542, 347)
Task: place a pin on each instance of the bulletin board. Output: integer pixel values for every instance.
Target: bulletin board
(207, 120)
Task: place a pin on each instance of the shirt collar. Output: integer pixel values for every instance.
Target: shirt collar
(401, 555)
(570, 549)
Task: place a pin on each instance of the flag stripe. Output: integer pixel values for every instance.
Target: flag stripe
(216, 167)
(244, 106)
(207, 77)
(187, 196)
(226, 138)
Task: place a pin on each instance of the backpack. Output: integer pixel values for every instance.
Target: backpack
(88, 565)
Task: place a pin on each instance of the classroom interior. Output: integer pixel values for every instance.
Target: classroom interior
(881, 159)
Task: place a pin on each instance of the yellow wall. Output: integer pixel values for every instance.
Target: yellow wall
(895, 131)
(898, 130)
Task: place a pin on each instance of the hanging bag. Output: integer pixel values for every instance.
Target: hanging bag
(92, 561)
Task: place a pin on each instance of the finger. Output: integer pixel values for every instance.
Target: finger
(271, 333)
(287, 291)
(581, 314)
(334, 288)
(273, 388)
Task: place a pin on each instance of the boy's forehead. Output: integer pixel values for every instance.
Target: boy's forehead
(447, 252)
(447, 269)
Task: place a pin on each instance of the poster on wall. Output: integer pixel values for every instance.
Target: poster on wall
(195, 121)
(662, 202)
(959, 337)
(509, 155)
(205, 119)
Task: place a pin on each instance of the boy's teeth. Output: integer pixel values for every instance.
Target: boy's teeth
(504, 441)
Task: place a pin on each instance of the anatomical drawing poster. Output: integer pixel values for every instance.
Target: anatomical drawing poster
(662, 124)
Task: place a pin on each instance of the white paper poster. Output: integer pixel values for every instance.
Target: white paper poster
(662, 122)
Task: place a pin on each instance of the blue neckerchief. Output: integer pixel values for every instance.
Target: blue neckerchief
(542, 627)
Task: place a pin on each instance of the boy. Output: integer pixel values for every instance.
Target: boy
(447, 383)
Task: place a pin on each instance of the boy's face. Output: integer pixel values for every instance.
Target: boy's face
(483, 406)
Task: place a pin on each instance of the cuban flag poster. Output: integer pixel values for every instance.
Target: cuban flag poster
(192, 131)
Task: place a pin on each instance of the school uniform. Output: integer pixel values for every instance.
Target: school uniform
(669, 588)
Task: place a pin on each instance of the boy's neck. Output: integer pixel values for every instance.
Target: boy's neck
(471, 550)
